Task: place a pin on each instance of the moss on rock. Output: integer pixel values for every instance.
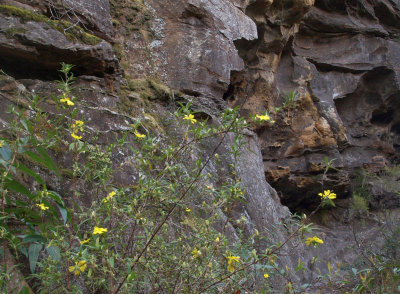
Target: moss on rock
(130, 15)
(150, 89)
(71, 31)
(11, 32)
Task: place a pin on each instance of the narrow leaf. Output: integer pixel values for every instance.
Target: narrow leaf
(46, 161)
(34, 251)
(64, 213)
(17, 187)
(56, 197)
(30, 172)
(49, 162)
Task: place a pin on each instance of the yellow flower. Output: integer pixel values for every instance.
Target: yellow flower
(266, 275)
(231, 259)
(42, 206)
(217, 240)
(265, 117)
(196, 253)
(139, 135)
(73, 135)
(99, 231)
(188, 210)
(1, 143)
(77, 126)
(79, 123)
(314, 240)
(84, 241)
(67, 101)
(190, 117)
(327, 194)
(109, 196)
(78, 267)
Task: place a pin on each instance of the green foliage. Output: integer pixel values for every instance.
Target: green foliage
(163, 223)
(376, 270)
(379, 272)
(360, 204)
(289, 101)
(159, 233)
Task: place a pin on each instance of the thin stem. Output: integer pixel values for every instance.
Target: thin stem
(270, 253)
(183, 195)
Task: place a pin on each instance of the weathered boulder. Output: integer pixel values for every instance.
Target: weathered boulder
(191, 47)
(93, 15)
(43, 43)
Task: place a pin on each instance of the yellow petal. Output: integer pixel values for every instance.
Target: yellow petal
(82, 265)
(76, 137)
(138, 135)
(84, 241)
(230, 267)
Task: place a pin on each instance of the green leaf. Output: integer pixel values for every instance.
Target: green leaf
(35, 157)
(26, 214)
(5, 152)
(131, 276)
(4, 163)
(25, 125)
(44, 161)
(24, 290)
(56, 197)
(33, 252)
(33, 238)
(24, 141)
(49, 162)
(23, 250)
(54, 252)
(64, 213)
(17, 187)
(30, 172)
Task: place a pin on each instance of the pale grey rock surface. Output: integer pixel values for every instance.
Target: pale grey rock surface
(196, 53)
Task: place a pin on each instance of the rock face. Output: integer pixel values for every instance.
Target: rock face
(339, 61)
(94, 14)
(192, 45)
(43, 43)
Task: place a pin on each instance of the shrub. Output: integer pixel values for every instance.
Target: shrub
(158, 234)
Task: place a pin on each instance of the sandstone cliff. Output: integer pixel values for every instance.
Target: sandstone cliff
(339, 62)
